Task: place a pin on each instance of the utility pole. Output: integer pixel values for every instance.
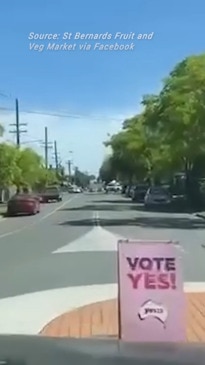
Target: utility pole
(47, 145)
(17, 125)
(69, 163)
(56, 155)
(69, 167)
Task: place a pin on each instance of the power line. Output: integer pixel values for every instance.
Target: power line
(75, 116)
(18, 125)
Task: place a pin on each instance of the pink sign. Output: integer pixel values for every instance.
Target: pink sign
(151, 297)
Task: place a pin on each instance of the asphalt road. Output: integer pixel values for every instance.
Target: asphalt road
(28, 258)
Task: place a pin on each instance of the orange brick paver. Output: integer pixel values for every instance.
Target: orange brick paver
(101, 319)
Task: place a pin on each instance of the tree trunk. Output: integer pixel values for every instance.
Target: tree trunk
(192, 187)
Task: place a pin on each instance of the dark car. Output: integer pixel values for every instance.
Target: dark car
(51, 193)
(128, 191)
(139, 192)
(23, 204)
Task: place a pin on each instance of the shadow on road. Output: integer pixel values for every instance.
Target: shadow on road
(121, 201)
(103, 207)
(127, 205)
(164, 209)
(176, 207)
(148, 222)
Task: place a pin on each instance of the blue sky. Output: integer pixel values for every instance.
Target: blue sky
(101, 87)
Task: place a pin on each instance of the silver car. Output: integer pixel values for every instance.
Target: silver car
(157, 196)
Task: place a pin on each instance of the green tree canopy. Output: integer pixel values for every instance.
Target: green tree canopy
(9, 169)
(23, 168)
(169, 134)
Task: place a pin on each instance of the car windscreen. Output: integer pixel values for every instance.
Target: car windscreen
(158, 191)
(51, 191)
(141, 188)
(22, 197)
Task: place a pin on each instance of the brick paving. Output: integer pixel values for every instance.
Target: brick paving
(101, 319)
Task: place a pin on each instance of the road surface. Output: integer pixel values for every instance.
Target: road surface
(71, 246)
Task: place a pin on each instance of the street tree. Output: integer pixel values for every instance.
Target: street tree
(168, 136)
(107, 171)
(9, 169)
(30, 164)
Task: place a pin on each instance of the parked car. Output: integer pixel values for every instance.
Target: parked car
(138, 193)
(71, 189)
(128, 191)
(113, 187)
(157, 196)
(77, 190)
(51, 193)
(23, 204)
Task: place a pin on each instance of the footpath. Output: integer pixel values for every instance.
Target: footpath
(201, 215)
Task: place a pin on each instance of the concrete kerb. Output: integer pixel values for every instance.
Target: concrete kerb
(200, 215)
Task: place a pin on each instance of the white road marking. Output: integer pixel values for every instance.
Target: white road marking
(58, 208)
(95, 218)
(98, 239)
(15, 231)
(29, 225)
(29, 313)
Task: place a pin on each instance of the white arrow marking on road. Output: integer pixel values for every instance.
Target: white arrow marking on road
(98, 239)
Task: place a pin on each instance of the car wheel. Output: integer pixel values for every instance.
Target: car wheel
(35, 211)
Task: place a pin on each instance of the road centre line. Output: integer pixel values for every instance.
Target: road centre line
(38, 221)
(96, 218)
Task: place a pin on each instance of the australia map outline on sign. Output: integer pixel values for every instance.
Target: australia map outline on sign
(153, 309)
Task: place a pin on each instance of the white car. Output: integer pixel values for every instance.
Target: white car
(77, 190)
(157, 196)
(113, 188)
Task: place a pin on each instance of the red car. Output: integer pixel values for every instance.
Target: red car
(23, 204)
